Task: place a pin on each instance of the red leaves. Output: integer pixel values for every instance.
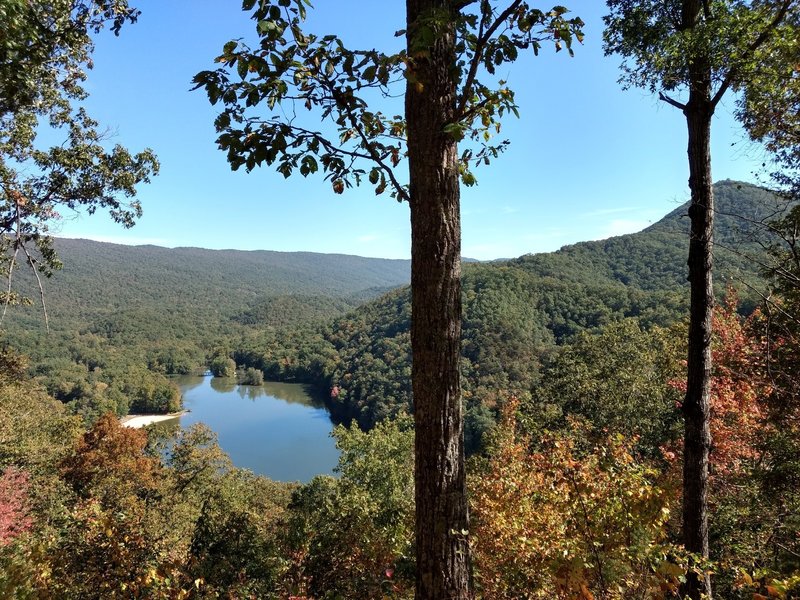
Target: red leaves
(14, 517)
(737, 389)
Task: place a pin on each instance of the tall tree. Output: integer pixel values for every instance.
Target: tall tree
(45, 51)
(452, 46)
(702, 48)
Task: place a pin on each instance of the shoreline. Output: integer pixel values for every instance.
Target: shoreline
(139, 421)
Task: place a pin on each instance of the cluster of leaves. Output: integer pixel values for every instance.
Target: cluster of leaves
(768, 105)
(14, 510)
(615, 380)
(317, 79)
(658, 45)
(352, 537)
(46, 49)
(572, 520)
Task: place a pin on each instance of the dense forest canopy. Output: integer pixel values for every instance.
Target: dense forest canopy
(571, 364)
(119, 311)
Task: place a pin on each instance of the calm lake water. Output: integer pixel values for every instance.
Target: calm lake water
(275, 429)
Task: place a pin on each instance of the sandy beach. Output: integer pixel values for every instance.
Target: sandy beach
(138, 421)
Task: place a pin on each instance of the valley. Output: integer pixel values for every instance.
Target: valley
(570, 360)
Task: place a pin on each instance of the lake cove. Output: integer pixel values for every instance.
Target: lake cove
(275, 429)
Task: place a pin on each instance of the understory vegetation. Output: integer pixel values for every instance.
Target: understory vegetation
(574, 493)
(572, 390)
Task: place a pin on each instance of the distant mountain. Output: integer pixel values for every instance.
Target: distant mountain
(102, 280)
(655, 258)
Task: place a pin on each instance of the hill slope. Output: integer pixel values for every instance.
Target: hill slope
(517, 311)
(101, 280)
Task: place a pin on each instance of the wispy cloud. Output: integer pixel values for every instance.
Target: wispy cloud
(546, 235)
(610, 211)
(370, 237)
(622, 227)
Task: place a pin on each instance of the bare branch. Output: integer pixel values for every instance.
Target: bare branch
(8, 289)
(662, 96)
(32, 263)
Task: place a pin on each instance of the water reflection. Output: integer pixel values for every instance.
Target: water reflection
(276, 429)
(223, 385)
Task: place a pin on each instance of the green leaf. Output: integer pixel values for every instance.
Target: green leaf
(455, 130)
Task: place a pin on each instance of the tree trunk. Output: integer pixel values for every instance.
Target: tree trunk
(696, 406)
(443, 562)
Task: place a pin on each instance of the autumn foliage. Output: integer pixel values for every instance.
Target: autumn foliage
(14, 510)
(569, 521)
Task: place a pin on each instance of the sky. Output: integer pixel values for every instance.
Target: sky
(587, 159)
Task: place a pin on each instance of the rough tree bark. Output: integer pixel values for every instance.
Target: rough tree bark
(696, 406)
(443, 562)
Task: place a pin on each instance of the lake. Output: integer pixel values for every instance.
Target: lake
(276, 429)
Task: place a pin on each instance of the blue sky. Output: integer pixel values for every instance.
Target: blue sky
(587, 159)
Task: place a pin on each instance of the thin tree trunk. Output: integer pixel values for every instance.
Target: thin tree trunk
(443, 562)
(696, 406)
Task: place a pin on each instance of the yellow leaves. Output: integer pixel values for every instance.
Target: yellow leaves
(18, 198)
(567, 518)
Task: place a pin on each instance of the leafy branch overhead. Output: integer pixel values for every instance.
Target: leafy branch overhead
(302, 80)
(46, 50)
(734, 37)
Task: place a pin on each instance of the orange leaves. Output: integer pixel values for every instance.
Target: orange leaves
(737, 390)
(582, 522)
(110, 460)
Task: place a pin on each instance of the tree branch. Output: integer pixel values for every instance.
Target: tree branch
(346, 104)
(374, 153)
(483, 39)
(32, 263)
(680, 106)
(8, 288)
(755, 45)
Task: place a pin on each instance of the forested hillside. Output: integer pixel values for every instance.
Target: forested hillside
(100, 279)
(576, 354)
(124, 315)
(655, 258)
